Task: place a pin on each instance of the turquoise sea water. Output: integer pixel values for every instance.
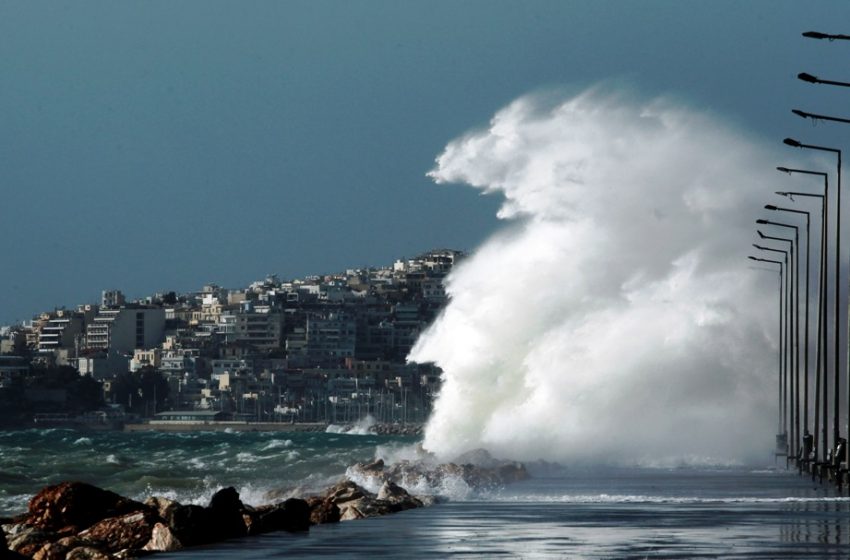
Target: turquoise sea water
(729, 512)
(188, 467)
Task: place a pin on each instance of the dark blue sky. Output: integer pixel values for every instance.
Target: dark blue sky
(151, 146)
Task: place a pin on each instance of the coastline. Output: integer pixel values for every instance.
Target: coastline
(165, 426)
(410, 429)
(213, 426)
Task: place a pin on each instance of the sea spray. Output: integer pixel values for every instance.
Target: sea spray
(614, 318)
(363, 427)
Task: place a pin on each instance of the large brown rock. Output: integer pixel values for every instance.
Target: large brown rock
(291, 515)
(190, 524)
(162, 506)
(225, 515)
(113, 534)
(369, 506)
(27, 540)
(322, 510)
(355, 502)
(70, 507)
(345, 491)
(397, 496)
(162, 539)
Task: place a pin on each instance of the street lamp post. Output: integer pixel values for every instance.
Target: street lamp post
(788, 354)
(785, 388)
(821, 386)
(837, 331)
(794, 344)
(781, 436)
(805, 320)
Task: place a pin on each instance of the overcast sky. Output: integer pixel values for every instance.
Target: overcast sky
(153, 146)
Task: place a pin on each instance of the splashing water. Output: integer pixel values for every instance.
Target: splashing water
(614, 319)
(362, 427)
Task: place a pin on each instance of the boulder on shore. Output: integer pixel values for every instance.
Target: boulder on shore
(114, 534)
(225, 515)
(189, 524)
(292, 515)
(27, 540)
(71, 507)
(162, 539)
(322, 510)
(355, 502)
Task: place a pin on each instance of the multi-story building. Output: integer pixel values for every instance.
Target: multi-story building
(146, 358)
(331, 338)
(261, 327)
(407, 324)
(64, 330)
(125, 329)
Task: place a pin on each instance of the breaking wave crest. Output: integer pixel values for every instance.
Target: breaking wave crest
(614, 318)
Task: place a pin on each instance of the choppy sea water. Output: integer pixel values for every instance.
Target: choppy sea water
(730, 512)
(188, 467)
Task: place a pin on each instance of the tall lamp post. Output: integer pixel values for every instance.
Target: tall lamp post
(821, 376)
(795, 324)
(788, 354)
(781, 436)
(806, 316)
(837, 329)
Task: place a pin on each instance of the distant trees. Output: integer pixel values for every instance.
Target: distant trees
(49, 389)
(143, 392)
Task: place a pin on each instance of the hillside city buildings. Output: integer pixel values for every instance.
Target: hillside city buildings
(319, 349)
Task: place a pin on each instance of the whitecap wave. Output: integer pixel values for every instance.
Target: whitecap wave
(363, 427)
(245, 457)
(277, 444)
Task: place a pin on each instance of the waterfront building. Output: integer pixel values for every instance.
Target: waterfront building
(126, 328)
(64, 330)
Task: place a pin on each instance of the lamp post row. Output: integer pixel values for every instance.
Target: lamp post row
(808, 449)
(821, 392)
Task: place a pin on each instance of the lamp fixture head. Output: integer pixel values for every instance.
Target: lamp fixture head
(815, 35)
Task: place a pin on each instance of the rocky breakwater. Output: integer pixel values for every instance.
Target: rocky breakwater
(78, 521)
(476, 471)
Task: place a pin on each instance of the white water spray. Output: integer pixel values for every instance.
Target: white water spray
(615, 318)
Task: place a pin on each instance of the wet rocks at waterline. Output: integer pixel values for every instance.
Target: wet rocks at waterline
(75, 520)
